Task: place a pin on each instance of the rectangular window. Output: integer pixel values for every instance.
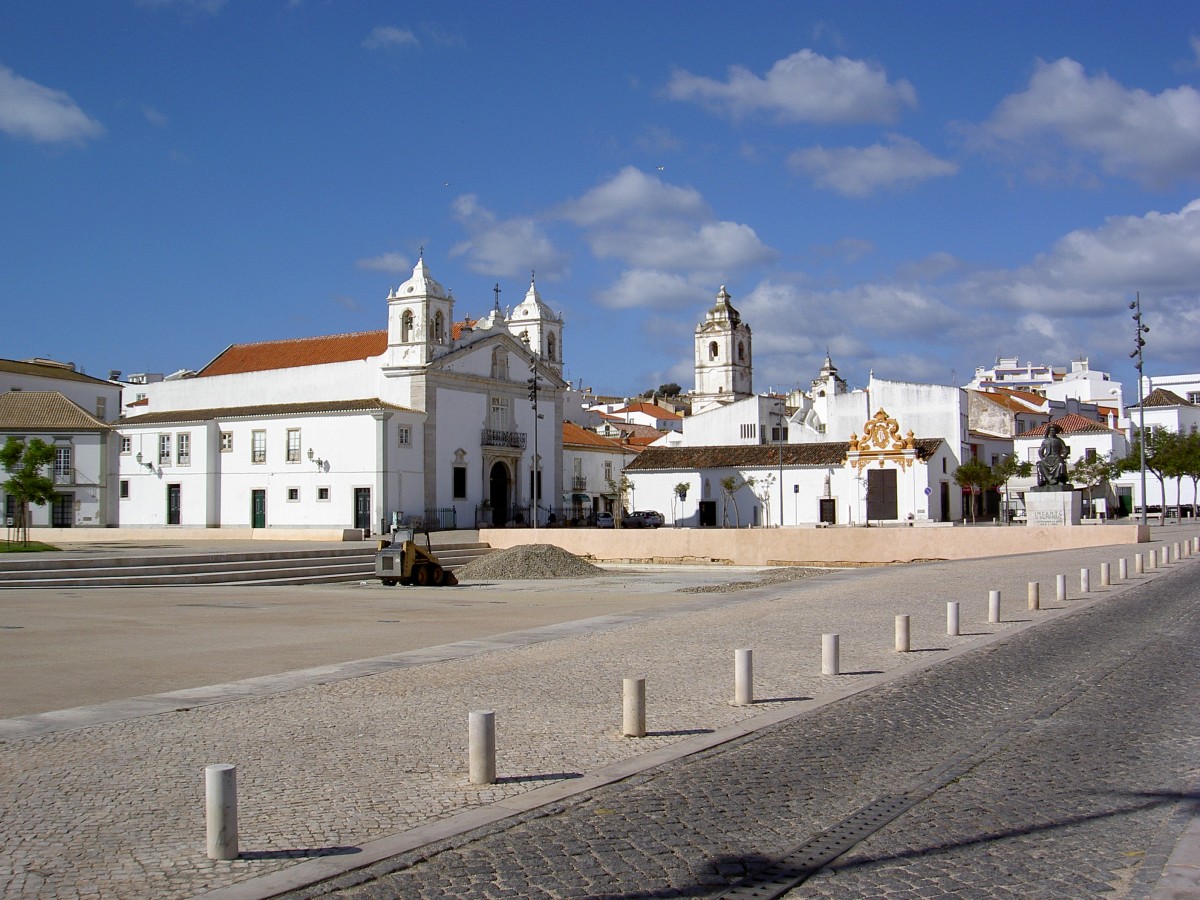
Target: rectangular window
(226, 441)
(608, 475)
(322, 493)
(293, 445)
(1193, 396)
(403, 436)
(460, 482)
(775, 436)
(293, 495)
(258, 447)
(124, 490)
(183, 448)
(1089, 454)
(102, 409)
(126, 444)
(500, 416)
(749, 431)
(164, 449)
(62, 466)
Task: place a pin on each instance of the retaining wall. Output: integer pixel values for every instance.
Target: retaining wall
(775, 546)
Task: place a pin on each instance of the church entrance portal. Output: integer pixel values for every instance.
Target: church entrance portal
(498, 483)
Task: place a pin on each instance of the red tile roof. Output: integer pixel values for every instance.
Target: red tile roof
(295, 352)
(44, 411)
(649, 409)
(573, 435)
(1071, 423)
(1163, 397)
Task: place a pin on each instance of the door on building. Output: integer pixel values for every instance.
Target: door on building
(258, 509)
(828, 510)
(173, 514)
(62, 511)
(498, 494)
(945, 501)
(707, 512)
(881, 495)
(362, 509)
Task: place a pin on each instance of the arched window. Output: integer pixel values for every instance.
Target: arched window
(713, 350)
(550, 347)
(439, 327)
(406, 323)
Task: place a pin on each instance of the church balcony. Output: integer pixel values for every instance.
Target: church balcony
(493, 438)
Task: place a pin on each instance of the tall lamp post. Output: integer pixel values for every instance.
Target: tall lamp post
(781, 413)
(533, 402)
(1138, 343)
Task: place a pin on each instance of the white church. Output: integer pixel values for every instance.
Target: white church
(428, 420)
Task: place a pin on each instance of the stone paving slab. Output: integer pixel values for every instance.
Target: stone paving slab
(327, 769)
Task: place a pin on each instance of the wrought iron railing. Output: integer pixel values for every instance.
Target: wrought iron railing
(493, 438)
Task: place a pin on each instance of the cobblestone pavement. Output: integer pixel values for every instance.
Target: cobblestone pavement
(1063, 762)
(329, 771)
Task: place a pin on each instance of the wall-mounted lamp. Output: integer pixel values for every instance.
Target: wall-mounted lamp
(149, 466)
(320, 462)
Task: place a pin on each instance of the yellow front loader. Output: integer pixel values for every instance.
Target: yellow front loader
(401, 561)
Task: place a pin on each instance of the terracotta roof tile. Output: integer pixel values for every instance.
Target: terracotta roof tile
(295, 352)
(44, 411)
(1163, 397)
(754, 456)
(1071, 423)
(650, 409)
(260, 411)
(47, 370)
(573, 435)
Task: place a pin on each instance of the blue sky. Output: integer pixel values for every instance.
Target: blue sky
(916, 188)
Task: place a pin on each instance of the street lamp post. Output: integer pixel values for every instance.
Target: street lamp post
(1138, 343)
(782, 413)
(533, 402)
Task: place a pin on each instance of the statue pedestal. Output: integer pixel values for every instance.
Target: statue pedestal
(1053, 507)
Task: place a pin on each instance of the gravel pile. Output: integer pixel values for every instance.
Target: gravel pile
(774, 576)
(528, 561)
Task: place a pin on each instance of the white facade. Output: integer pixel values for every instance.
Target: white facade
(71, 412)
(424, 421)
(1168, 409)
(723, 356)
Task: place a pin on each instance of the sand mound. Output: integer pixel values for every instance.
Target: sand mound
(528, 561)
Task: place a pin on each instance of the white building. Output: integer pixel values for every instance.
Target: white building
(1085, 439)
(424, 420)
(592, 471)
(883, 454)
(70, 411)
(1162, 409)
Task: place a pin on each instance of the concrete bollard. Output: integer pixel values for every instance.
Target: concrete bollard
(1060, 588)
(993, 607)
(1196, 545)
(1175, 552)
(1139, 564)
(1105, 574)
(831, 662)
(1123, 568)
(633, 720)
(220, 810)
(1152, 562)
(1035, 595)
(1085, 581)
(743, 677)
(903, 632)
(952, 618)
(481, 746)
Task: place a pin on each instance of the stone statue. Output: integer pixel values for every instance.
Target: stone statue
(1052, 461)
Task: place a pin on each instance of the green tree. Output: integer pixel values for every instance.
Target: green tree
(1161, 448)
(680, 492)
(974, 474)
(1093, 474)
(1190, 450)
(670, 389)
(1008, 468)
(619, 486)
(26, 483)
(729, 487)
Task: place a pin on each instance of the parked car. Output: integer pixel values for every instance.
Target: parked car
(642, 519)
(604, 520)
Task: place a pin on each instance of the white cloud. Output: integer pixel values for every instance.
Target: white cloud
(389, 37)
(153, 116)
(650, 225)
(859, 172)
(506, 247)
(650, 289)
(1153, 139)
(804, 87)
(386, 262)
(29, 110)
